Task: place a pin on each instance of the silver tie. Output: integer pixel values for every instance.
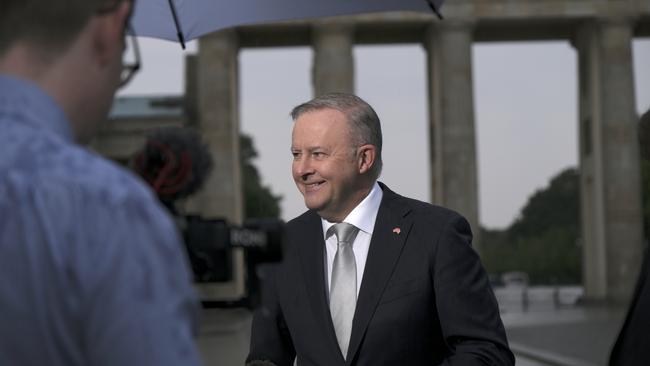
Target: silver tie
(343, 289)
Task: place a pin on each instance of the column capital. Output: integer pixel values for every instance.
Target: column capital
(616, 20)
(229, 37)
(463, 27)
(333, 26)
(447, 26)
(466, 24)
(594, 25)
(581, 34)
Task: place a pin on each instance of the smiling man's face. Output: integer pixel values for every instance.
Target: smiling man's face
(325, 164)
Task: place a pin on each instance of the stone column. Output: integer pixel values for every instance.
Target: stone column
(451, 113)
(333, 68)
(594, 262)
(610, 166)
(218, 122)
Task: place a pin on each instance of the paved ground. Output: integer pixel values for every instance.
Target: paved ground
(224, 337)
(576, 337)
(559, 332)
(546, 332)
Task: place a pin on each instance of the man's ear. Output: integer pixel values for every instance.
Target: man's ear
(109, 31)
(366, 155)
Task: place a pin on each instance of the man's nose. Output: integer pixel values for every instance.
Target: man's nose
(303, 167)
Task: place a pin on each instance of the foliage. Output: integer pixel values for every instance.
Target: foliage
(556, 206)
(260, 202)
(543, 240)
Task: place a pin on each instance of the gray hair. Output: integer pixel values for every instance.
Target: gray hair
(365, 127)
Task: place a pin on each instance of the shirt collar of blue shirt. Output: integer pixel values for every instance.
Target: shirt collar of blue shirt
(32, 105)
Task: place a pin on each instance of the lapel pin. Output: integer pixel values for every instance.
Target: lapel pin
(397, 230)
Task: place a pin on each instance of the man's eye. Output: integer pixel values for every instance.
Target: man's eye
(295, 154)
(318, 154)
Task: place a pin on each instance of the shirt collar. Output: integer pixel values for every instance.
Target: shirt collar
(365, 214)
(25, 101)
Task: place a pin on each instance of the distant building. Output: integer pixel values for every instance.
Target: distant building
(131, 118)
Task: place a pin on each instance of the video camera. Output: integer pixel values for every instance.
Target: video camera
(175, 164)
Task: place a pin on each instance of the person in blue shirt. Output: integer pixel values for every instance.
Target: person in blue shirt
(92, 271)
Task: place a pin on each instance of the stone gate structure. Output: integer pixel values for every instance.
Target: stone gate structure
(601, 31)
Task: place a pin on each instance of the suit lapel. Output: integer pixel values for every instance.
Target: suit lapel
(389, 235)
(312, 249)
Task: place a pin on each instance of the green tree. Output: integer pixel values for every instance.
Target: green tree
(543, 240)
(260, 202)
(556, 206)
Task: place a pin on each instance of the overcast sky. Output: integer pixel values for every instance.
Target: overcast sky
(525, 105)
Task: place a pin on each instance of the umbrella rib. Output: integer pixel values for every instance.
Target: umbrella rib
(433, 8)
(179, 31)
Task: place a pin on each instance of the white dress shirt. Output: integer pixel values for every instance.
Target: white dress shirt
(363, 217)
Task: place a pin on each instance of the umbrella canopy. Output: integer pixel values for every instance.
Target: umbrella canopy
(184, 20)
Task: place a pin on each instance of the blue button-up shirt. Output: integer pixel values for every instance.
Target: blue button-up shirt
(92, 271)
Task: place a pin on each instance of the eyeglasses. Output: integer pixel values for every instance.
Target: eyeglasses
(131, 61)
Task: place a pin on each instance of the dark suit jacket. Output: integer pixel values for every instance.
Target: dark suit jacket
(632, 346)
(424, 298)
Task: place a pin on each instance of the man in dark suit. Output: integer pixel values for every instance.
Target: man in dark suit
(370, 277)
(631, 347)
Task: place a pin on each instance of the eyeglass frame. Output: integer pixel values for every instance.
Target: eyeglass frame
(128, 70)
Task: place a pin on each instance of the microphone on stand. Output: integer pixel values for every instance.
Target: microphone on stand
(174, 162)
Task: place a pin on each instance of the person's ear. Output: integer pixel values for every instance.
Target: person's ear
(109, 32)
(366, 156)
